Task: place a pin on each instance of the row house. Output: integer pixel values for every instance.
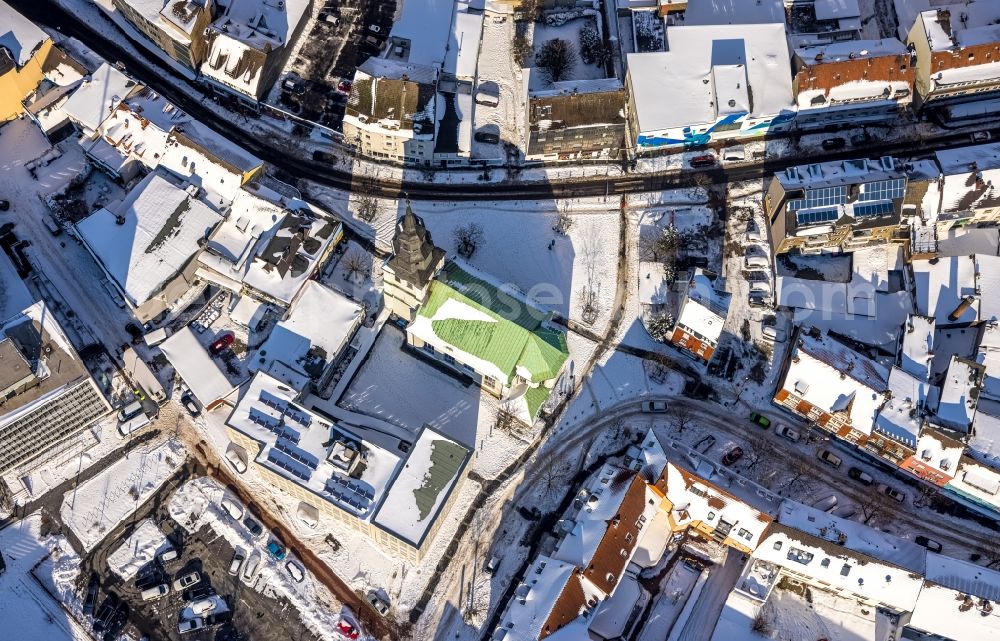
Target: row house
(703, 311)
(852, 83)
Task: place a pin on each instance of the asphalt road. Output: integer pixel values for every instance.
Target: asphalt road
(164, 80)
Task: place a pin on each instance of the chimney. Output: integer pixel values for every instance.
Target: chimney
(962, 307)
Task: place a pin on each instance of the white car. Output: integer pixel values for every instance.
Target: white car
(234, 459)
(296, 571)
(185, 581)
(232, 508)
(790, 433)
(190, 625)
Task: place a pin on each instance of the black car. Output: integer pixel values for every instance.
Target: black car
(930, 544)
(488, 137)
(106, 612)
(253, 526)
(117, 623)
(90, 602)
(218, 618)
(4, 205)
(860, 476)
(832, 144)
(190, 404)
(199, 591)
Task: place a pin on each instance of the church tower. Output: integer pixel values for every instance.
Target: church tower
(407, 274)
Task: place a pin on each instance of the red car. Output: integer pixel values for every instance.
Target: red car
(732, 456)
(221, 343)
(347, 629)
(344, 85)
(703, 161)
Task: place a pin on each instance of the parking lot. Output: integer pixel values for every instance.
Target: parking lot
(344, 35)
(231, 609)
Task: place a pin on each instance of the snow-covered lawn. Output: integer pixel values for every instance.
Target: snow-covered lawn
(27, 611)
(569, 31)
(675, 589)
(99, 505)
(818, 614)
(517, 250)
(138, 549)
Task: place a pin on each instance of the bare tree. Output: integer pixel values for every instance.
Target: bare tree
(800, 479)
(520, 48)
(589, 306)
(367, 203)
(468, 238)
(680, 417)
(875, 508)
(530, 10)
(506, 418)
(556, 59)
(702, 180)
(563, 223)
(355, 266)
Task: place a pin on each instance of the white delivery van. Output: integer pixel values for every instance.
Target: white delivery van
(131, 418)
(756, 262)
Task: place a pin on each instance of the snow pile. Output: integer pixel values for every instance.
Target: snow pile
(139, 549)
(27, 610)
(102, 503)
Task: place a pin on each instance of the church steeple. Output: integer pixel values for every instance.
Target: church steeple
(415, 260)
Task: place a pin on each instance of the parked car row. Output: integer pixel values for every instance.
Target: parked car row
(247, 564)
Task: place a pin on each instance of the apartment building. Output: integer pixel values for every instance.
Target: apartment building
(178, 28)
(48, 396)
(576, 119)
(957, 48)
(852, 82)
(832, 207)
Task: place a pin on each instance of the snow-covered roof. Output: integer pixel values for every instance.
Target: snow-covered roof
(710, 72)
(395, 106)
(20, 36)
(550, 598)
(733, 12)
(962, 22)
(840, 568)
(230, 249)
(696, 499)
(177, 17)
(206, 159)
(241, 40)
(959, 392)
(196, 367)
(977, 482)
(962, 576)
(853, 171)
(98, 96)
(942, 284)
(835, 378)
(704, 310)
(941, 611)
(902, 415)
(971, 175)
(604, 533)
(35, 379)
(462, 55)
(435, 465)
(287, 260)
(427, 25)
(313, 333)
(882, 79)
(247, 311)
(836, 9)
(917, 346)
(853, 536)
(162, 227)
(939, 451)
(328, 459)
(16, 296)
